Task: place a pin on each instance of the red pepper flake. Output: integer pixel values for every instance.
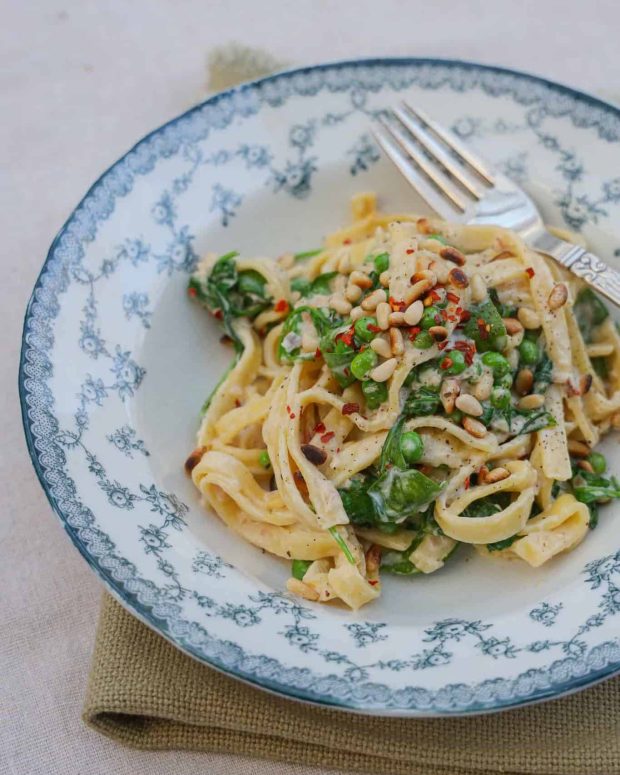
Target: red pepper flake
(453, 297)
(292, 416)
(464, 315)
(413, 332)
(288, 409)
(410, 251)
(397, 306)
(446, 363)
(372, 582)
(319, 428)
(346, 241)
(467, 482)
(218, 314)
(326, 437)
(452, 318)
(237, 403)
(346, 337)
(435, 296)
(530, 272)
(468, 349)
(444, 314)
(373, 328)
(318, 353)
(484, 328)
(350, 408)
(442, 345)
(192, 292)
(281, 306)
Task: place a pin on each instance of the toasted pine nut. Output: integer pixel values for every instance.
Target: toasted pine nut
(585, 465)
(513, 358)
(474, 427)
(482, 474)
(413, 313)
(373, 559)
(496, 475)
(353, 292)
(578, 448)
(478, 288)
(524, 381)
(396, 341)
(382, 314)
(440, 270)
(533, 401)
(468, 404)
(397, 318)
(513, 326)
(484, 387)
(384, 371)
(194, 458)
(416, 291)
(452, 254)
(384, 278)
(558, 296)
(360, 279)
(344, 265)
(376, 297)
(423, 226)
(356, 313)
(425, 274)
(340, 305)
(448, 393)
(529, 318)
(381, 346)
(503, 254)
(439, 333)
(297, 587)
(458, 278)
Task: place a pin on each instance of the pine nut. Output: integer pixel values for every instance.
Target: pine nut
(478, 288)
(195, 458)
(384, 371)
(440, 271)
(529, 318)
(513, 326)
(297, 587)
(439, 333)
(578, 448)
(356, 314)
(496, 475)
(448, 393)
(396, 341)
(424, 274)
(585, 465)
(384, 278)
(513, 358)
(340, 305)
(315, 455)
(376, 297)
(382, 314)
(533, 401)
(524, 381)
(452, 254)
(474, 427)
(397, 318)
(469, 405)
(360, 279)
(458, 278)
(416, 291)
(353, 292)
(502, 255)
(558, 296)
(344, 265)
(484, 387)
(373, 559)
(381, 346)
(423, 226)
(413, 313)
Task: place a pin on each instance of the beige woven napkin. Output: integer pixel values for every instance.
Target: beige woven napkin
(145, 693)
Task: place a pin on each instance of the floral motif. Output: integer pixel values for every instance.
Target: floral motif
(366, 633)
(125, 441)
(136, 305)
(226, 202)
(364, 153)
(546, 613)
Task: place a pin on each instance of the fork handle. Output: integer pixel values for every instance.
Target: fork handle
(585, 265)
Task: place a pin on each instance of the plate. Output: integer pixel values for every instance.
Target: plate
(116, 364)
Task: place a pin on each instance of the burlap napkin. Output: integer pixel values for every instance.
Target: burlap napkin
(145, 693)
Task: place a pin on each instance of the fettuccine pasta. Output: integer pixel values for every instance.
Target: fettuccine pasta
(409, 387)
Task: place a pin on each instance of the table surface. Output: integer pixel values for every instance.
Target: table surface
(80, 82)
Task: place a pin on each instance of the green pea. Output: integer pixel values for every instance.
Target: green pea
(363, 363)
(458, 364)
(423, 341)
(375, 393)
(263, 459)
(411, 446)
(497, 363)
(529, 352)
(598, 463)
(500, 398)
(504, 381)
(299, 568)
(361, 328)
(428, 318)
(382, 262)
(456, 416)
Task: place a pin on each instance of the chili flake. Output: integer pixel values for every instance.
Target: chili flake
(446, 363)
(350, 408)
(319, 428)
(410, 251)
(281, 306)
(530, 272)
(453, 297)
(346, 337)
(373, 328)
(218, 314)
(467, 482)
(326, 437)
(191, 291)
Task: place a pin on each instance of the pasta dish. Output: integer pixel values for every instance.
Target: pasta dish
(409, 387)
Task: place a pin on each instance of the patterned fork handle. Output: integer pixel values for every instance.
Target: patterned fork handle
(600, 276)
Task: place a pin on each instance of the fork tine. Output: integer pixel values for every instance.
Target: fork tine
(415, 179)
(451, 141)
(436, 151)
(438, 178)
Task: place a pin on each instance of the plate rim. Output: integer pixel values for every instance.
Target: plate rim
(128, 600)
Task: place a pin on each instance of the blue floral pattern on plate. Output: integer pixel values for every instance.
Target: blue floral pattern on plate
(92, 459)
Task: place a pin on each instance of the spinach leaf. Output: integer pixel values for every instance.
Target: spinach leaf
(589, 488)
(338, 354)
(486, 507)
(601, 367)
(391, 453)
(521, 421)
(289, 345)
(486, 327)
(422, 401)
(399, 563)
(505, 310)
(543, 374)
(497, 546)
(320, 285)
(357, 503)
(399, 494)
(589, 312)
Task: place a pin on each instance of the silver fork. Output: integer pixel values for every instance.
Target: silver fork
(460, 187)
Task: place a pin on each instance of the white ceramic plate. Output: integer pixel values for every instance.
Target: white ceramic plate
(116, 364)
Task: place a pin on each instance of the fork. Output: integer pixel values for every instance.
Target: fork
(462, 188)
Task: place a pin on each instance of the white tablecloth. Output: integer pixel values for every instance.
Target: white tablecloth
(80, 82)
